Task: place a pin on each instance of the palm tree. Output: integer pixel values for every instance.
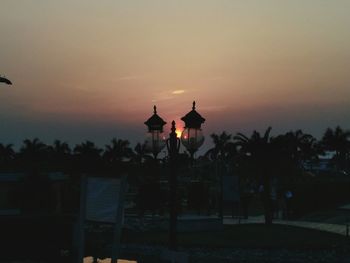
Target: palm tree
(311, 150)
(222, 143)
(61, 148)
(88, 156)
(60, 153)
(258, 151)
(141, 153)
(256, 145)
(87, 149)
(33, 147)
(223, 154)
(33, 152)
(337, 140)
(118, 151)
(295, 147)
(7, 154)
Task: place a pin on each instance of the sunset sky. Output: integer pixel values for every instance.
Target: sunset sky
(94, 69)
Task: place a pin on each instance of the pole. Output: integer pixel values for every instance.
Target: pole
(221, 194)
(82, 214)
(173, 145)
(118, 220)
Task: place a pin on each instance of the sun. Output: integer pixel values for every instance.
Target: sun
(178, 133)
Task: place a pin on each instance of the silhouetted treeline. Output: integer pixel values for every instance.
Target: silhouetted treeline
(257, 159)
(264, 159)
(84, 157)
(286, 150)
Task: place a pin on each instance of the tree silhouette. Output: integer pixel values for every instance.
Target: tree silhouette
(337, 140)
(294, 148)
(223, 154)
(33, 153)
(60, 148)
(118, 151)
(33, 147)
(222, 145)
(88, 149)
(258, 157)
(141, 153)
(311, 150)
(87, 156)
(258, 151)
(60, 154)
(7, 155)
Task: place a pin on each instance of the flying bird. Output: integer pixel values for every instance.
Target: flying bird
(5, 80)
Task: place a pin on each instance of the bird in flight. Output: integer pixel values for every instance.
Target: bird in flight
(5, 80)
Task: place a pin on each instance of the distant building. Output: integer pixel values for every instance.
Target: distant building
(322, 165)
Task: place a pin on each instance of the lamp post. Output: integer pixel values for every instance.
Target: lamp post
(155, 140)
(173, 146)
(192, 138)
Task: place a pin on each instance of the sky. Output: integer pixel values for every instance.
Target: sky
(92, 70)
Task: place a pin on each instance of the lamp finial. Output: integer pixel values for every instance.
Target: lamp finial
(173, 128)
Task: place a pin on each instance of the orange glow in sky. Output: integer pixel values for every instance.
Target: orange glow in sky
(94, 69)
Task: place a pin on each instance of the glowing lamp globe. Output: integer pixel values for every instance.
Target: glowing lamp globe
(155, 142)
(192, 139)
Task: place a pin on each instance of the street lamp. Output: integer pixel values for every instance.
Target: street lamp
(155, 140)
(192, 138)
(173, 146)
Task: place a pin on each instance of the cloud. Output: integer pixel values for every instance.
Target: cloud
(177, 92)
(167, 95)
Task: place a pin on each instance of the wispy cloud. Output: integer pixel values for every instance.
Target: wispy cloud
(168, 95)
(177, 92)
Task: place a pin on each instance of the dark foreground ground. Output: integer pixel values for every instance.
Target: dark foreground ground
(235, 243)
(205, 255)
